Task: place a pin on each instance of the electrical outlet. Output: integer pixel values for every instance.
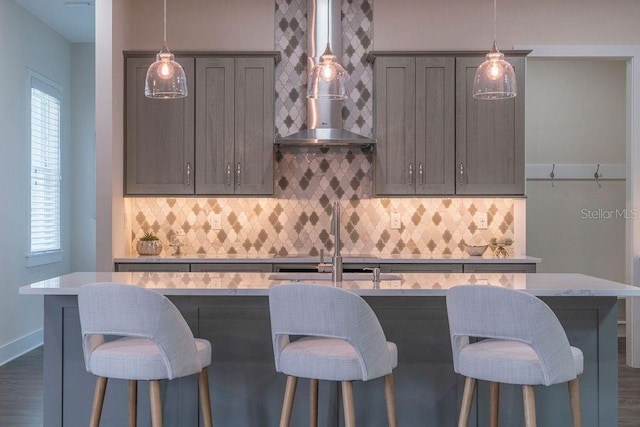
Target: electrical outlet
(481, 220)
(396, 222)
(215, 221)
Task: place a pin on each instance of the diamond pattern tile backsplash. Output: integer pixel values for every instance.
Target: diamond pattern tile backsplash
(285, 226)
(307, 180)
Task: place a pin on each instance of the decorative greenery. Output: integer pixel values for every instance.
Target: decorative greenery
(501, 242)
(149, 237)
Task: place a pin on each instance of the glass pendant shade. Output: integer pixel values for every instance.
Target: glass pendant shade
(495, 78)
(327, 78)
(165, 77)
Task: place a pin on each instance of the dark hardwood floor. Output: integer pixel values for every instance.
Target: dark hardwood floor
(21, 391)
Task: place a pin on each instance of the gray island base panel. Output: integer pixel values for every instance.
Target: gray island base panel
(231, 310)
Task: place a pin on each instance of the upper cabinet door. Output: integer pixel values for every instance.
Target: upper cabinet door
(489, 135)
(215, 118)
(435, 125)
(254, 125)
(159, 135)
(395, 130)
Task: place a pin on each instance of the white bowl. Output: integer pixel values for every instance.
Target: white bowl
(476, 250)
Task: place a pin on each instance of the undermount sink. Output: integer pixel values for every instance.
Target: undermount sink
(299, 277)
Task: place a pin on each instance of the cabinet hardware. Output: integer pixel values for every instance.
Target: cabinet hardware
(228, 173)
(188, 173)
(410, 173)
(461, 173)
(421, 173)
(238, 174)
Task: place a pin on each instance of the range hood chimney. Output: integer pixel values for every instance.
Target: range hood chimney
(324, 117)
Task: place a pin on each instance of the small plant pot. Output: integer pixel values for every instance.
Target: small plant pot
(149, 247)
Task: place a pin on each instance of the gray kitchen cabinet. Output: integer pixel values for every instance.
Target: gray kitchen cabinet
(489, 135)
(499, 268)
(424, 268)
(216, 141)
(234, 125)
(434, 138)
(151, 267)
(239, 267)
(159, 135)
(414, 125)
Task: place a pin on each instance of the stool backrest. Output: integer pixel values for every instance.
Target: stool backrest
(326, 311)
(503, 313)
(126, 310)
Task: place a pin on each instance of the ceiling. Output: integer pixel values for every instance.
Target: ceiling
(73, 19)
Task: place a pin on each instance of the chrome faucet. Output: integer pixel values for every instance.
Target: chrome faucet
(336, 260)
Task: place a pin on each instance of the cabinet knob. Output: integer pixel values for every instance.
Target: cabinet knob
(461, 165)
(410, 173)
(228, 173)
(420, 173)
(238, 174)
(188, 173)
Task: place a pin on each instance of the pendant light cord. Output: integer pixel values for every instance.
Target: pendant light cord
(494, 21)
(165, 22)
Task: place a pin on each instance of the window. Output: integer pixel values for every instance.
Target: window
(45, 174)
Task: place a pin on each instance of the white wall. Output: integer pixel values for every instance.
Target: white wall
(26, 42)
(83, 158)
(576, 113)
(468, 24)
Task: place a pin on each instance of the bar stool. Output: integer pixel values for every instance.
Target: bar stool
(156, 343)
(525, 345)
(342, 341)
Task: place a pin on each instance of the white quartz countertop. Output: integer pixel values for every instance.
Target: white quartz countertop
(488, 258)
(405, 284)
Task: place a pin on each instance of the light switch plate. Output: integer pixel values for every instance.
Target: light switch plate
(396, 222)
(481, 220)
(215, 221)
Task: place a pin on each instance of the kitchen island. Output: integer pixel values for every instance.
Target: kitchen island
(231, 310)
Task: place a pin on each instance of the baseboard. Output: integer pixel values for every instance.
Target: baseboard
(23, 345)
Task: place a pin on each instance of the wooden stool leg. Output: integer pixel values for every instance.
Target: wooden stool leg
(98, 400)
(494, 394)
(347, 403)
(156, 405)
(528, 396)
(574, 395)
(390, 398)
(133, 403)
(313, 402)
(467, 400)
(205, 398)
(287, 404)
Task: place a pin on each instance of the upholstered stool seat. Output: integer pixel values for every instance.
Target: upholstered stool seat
(519, 341)
(137, 359)
(342, 340)
(150, 341)
(508, 362)
(330, 359)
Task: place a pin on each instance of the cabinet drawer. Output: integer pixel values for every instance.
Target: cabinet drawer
(217, 267)
(426, 268)
(151, 266)
(499, 268)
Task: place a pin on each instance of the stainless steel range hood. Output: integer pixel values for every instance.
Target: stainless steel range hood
(324, 117)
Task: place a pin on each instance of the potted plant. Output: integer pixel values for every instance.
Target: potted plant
(149, 244)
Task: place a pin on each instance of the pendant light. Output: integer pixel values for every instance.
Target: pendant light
(165, 77)
(327, 78)
(495, 78)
